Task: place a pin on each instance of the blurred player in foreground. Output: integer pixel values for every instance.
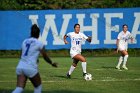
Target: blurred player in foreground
(76, 40)
(122, 45)
(28, 65)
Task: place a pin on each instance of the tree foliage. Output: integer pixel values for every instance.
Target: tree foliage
(65, 4)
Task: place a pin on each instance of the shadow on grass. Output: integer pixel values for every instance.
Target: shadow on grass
(65, 77)
(49, 91)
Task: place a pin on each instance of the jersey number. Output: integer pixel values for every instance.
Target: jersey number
(26, 52)
(77, 42)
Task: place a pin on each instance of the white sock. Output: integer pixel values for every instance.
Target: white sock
(120, 61)
(84, 66)
(18, 90)
(71, 69)
(38, 89)
(125, 60)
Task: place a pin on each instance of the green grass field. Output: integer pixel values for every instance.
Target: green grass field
(107, 79)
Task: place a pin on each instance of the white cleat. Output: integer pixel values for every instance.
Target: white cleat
(124, 67)
(118, 67)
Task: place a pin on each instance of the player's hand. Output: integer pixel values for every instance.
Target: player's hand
(89, 38)
(132, 40)
(66, 42)
(54, 64)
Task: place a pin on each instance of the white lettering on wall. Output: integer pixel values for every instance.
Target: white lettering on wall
(109, 28)
(136, 26)
(50, 24)
(92, 28)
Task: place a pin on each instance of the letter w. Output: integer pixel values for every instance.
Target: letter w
(50, 24)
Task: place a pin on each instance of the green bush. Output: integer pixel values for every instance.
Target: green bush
(65, 4)
(65, 52)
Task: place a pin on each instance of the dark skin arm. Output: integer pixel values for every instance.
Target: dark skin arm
(89, 39)
(132, 40)
(117, 43)
(64, 38)
(46, 58)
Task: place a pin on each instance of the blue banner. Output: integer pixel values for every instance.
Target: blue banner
(102, 24)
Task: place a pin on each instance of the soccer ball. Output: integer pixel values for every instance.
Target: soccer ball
(88, 77)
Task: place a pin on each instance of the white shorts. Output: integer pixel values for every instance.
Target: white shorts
(27, 70)
(72, 54)
(122, 47)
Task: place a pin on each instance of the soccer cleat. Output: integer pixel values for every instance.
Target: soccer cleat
(118, 67)
(124, 67)
(84, 74)
(68, 76)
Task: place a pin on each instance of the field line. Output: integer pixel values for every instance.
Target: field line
(103, 80)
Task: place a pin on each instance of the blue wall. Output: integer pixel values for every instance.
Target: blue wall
(102, 24)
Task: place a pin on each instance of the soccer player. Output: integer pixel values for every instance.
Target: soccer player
(122, 45)
(75, 51)
(28, 64)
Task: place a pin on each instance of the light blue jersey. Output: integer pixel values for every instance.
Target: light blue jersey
(30, 51)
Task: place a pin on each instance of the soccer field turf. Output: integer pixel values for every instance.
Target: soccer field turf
(107, 79)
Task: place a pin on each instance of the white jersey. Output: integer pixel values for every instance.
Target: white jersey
(76, 41)
(30, 51)
(123, 39)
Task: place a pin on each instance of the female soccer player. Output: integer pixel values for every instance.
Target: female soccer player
(28, 65)
(76, 40)
(122, 45)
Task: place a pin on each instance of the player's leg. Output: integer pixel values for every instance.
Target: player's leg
(21, 82)
(83, 60)
(125, 53)
(36, 81)
(73, 66)
(121, 58)
(121, 48)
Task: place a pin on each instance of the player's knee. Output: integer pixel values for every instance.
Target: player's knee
(83, 60)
